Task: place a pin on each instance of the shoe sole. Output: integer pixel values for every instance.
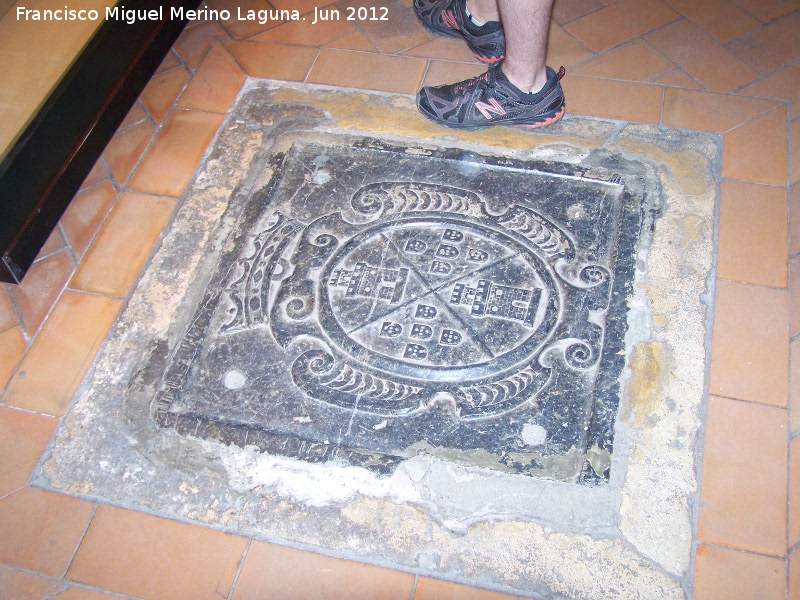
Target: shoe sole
(547, 121)
(543, 123)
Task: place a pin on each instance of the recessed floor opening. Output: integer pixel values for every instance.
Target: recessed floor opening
(479, 356)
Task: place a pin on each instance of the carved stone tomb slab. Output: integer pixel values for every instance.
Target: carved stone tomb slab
(376, 305)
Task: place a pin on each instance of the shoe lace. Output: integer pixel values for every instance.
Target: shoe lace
(471, 83)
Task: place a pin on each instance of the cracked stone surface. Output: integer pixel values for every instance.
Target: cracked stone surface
(361, 285)
(465, 308)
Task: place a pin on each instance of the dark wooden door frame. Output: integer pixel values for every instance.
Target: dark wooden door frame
(58, 149)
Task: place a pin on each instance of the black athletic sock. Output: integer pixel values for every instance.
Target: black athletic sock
(529, 96)
(488, 27)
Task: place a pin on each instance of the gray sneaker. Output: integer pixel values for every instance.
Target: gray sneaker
(491, 99)
(449, 17)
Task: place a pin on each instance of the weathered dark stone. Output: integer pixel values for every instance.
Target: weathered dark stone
(380, 304)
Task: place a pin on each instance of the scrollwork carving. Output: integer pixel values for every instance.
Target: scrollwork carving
(397, 197)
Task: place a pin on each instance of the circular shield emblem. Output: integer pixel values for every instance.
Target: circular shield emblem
(437, 298)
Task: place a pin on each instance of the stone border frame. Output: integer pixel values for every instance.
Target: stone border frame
(632, 538)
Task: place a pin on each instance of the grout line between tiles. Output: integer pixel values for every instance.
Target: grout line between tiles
(123, 184)
(31, 338)
(69, 249)
(239, 570)
(37, 574)
(14, 491)
(740, 550)
(425, 71)
(110, 178)
(414, 587)
(311, 66)
(20, 322)
(27, 410)
(80, 541)
(758, 285)
(756, 402)
(9, 328)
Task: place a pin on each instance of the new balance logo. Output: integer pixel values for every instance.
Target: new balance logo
(489, 108)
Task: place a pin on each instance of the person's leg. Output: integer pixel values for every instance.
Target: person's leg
(526, 24)
(484, 11)
(519, 90)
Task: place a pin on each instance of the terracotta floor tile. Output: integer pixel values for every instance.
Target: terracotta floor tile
(23, 437)
(96, 175)
(620, 22)
(563, 49)
(8, 314)
(304, 6)
(794, 385)
(610, 99)
(794, 491)
(154, 558)
(126, 148)
(794, 219)
(135, 114)
(273, 61)
(41, 286)
(124, 243)
(752, 244)
(710, 112)
(443, 48)
(78, 593)
(40, 530)
(435, 589)
(565, 11)
(354, 41)
(733, 575)
(744, 477)
(194, 42)
(54, 243)
(61, 353)
(770, 47)
(749, 348)
(282, 573)
(85, 213)
(303, 33)
(756, 151)
(721, 18)
(794, 575)
(782, 85)
(636, 61)
(175, 153)
(215, 83)
(794, 148)
(794, 296)
(162, 90)
(767, 10)
(243, 28)
(441, 72)
(170, 61)
(398, 74)
(12, 347)
(701, 56)
(401, 31)
(19, 585)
